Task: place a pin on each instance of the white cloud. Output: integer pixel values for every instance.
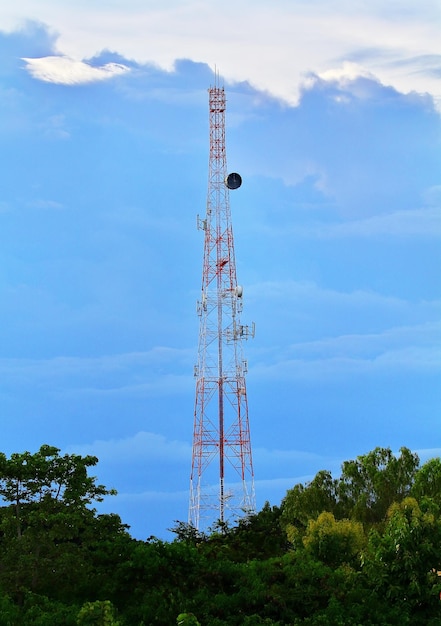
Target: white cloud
(283, 41)
(346, 73)
(66, 71)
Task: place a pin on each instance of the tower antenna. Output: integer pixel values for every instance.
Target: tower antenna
(222, 476)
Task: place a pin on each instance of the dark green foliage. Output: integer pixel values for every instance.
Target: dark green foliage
(38, 611)
(259, 536)
(305, 502)
(9, 611)
(48, 529)
(351, 551)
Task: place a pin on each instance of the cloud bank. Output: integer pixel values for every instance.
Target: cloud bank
(397, 42)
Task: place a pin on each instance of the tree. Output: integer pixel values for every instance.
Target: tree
(188, 533)
(46, 478)
(62, 563)
(364, 491)
(48, 510)
(334, 541)
(26, 477)
(372, 482)
(187, 619)
(257, 536)
(99, 613)
(402, 564)
(305, 502)
(427, 482)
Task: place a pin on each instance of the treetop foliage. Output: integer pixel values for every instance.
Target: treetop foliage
(360, 549)
(46, 475)
(364, 491)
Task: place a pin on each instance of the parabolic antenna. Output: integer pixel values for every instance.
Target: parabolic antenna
(233, 180)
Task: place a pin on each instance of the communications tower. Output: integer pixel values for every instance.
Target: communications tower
(222, 477)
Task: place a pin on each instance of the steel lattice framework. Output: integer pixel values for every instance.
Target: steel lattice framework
(222, 478)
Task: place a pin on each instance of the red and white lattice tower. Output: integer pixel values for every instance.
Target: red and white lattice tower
(222, 477)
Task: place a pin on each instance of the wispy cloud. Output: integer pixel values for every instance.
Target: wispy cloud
(348, 367)
(138, 373)
(307, 292)
(147, 447)
(45, 205)
(66, 71)
(424, 222)
(370, 343)
(394, 350)
(153, 497)
(426, 454)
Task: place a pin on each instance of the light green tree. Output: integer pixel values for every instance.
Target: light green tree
(99, 613)
(334, 541)
(187, 619)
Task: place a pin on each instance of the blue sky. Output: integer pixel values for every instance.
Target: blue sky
(333, 121)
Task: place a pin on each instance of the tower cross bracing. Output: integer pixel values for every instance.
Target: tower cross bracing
(222, 477)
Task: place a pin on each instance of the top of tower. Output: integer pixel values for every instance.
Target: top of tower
(217, 84)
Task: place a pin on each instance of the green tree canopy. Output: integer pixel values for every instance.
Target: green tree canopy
(403, 562)
(46, 475)
(364, 491)
(428, 482)
(47, 520)
(372, 482)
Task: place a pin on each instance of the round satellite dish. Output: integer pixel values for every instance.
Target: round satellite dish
(233, 181)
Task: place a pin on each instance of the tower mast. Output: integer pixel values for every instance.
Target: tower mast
(222, 477)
